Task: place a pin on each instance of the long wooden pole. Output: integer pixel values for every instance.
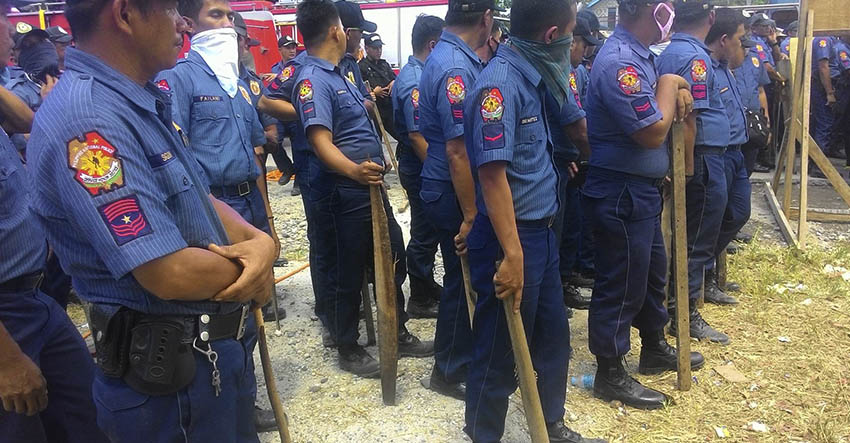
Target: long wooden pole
(680, 260)
(386, 296)
(367, 311)
(271, 385)
(802, 224)
(387, 144)
(471, 296)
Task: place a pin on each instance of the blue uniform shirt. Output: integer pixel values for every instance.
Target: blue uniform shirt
(785, 46)
(763, 50)
(841, 54)
(255, 90)
(582, 80)
(325, 98)
(451, 68)
(731, 98)
(24, 243)
(749, 76)
(687, 57)
(29, 92)
(222, 131)
(621, 101)
(281, 89)
(405, 100)
(821, 50)
(351, 70)
(114, 186)
(505, 121)
(569, 113)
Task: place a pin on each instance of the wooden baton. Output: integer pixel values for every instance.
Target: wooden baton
(271, 385)
(386, 296)
(387, 144)
(471, 296)
(680, 260)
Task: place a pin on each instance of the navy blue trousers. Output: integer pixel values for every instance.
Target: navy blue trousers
(351, 215)
(739, 191)
(631, 263)
(706, 195)
(492, 376)
(423, 236)
(821, 115)
(453, 336)
(43, 331)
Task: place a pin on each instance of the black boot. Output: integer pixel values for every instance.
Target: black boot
(355, 359)
(657, 356)
(580, 280)
(699, 328)
(613, 383)
(421, 303)
(574, 299)
(264, 420)
(560, 433)
(410, 346)
(713, 293)
(438, 383)
(268, 312)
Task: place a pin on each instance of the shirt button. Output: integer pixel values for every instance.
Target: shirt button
(533, 138)
(238, 115)
(185, 181)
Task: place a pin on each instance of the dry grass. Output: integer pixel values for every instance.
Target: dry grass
(800, 388)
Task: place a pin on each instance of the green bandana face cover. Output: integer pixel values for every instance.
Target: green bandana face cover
(551, 60)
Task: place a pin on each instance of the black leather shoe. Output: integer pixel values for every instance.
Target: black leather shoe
(437, 383)
(715, 295)
(613, 383)
(355, 359)
(296, 190)
(743, 237)
(700, 329)
(732, 286)
(732, 248)
(761, 168)
(560, 433)
(327, 339)
(580, 280)
(422, 302)
(268, 312)
(657, 356)
(410, 346)
(264, 420)
(574, 299)
(422, 308)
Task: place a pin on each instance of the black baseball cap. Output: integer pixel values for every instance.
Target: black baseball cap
(582, 30)
(58, 34)
(352, 17)
(761, 19)
(373, 40)
(286, 41)
(591, 18)
(473, 6)
(23, 29)
(688, 8)
(242, 29)
(793, 26)
(748, 43)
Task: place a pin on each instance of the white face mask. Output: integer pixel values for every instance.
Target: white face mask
(219, 49)
(666, 27)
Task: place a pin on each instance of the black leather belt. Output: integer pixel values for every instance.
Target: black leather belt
(545, 222)
(709, 150)
(239, 190)
(23, 283)
(209, 327)
(734, 148)
(624, 176)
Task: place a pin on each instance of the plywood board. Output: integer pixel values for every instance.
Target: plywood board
(831, 15)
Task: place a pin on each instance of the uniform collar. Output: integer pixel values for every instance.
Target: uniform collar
(145, 97)
(321, 63)
(636, 45)
(717, 64)
(414, 61)
(684, 37)
(457, 42)
(519, 63)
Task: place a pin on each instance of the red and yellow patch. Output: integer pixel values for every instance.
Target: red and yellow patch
(699, 71)
(573, 84)
(245, 95)
(255, 87)
(95, 163)
(287, 73)
(492, 106)
(163, 85)
(756, 62)
(125, 219)
(455, 89)
(305, 91)
(822, 43)
(629, 80)
(842, 55)
(414, 97)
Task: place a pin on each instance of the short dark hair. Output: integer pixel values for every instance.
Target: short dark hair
(82, 15)
(463, 19)
(530, 17)
(425, 29)
(190, 8)
(726, 22)
(313, 18)
(690, 13)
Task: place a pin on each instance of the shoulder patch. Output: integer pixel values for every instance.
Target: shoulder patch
(643, 108)
(255, 87)
(699, 71)
(245, 95)
(573, 84)
(350, 77)
(756, 62)
(842, 55)
(629, 80)
(822, 43)
(414, 98)
(305, 91)
(286, 73)
(163, 85)
(455, 89)
(95, 163)
(125, 219)
(492, 106)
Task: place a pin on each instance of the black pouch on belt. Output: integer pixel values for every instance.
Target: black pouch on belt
(161, 361)
(111, 330)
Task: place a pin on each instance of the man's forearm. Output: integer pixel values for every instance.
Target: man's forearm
(420, 145)
(279, 109)
(500, 206)
(238, 230)
(763, 103)
(16, 115)
(825, 79)
(322, 141)
(461, 175)
(577, 132)
(190, 274)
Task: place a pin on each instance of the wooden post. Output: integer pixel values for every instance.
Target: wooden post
(387, 144)
(385, 289)
(471, 296)
(367, 311)
(803, 226)
(271, 385)
(680, 260)
(720, 270)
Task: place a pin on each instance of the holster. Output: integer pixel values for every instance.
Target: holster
(111, 331)
(161, 360)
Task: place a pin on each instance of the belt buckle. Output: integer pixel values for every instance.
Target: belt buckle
(241, 331)
(243, 188)
(551, 221)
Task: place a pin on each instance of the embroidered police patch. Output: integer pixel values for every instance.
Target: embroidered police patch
(287, 73)
(245, 95)
(822, 43)
(629, 80)
(492, 106)
(308, 110)
(163, 85)
(455, 89)
(125, 219)
(494, 136)
(255, 87)
(95, 163)
(699, 71)
(643, 108)
(305, 91)
(414, 98)
(699, 92)
(756, 62)
(574, 88)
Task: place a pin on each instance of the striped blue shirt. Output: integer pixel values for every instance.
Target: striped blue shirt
(23, 242)
(505, 121)
(449, 71)
(222, 131)
(405, 100)
(351, 70)
(731, 98)
(114, 186)
(281, 89)
(29, 92)
(749, 76)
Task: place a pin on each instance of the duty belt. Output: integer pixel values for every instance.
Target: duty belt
(240, 190)
(26, 282)
(209, 327)
(545, 222)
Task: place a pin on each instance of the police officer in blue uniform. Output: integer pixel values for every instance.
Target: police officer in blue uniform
(752, 79)
(823, 93)
(287, 48)
(630, 110)
(513, 252)
(355, 25)
(337, 125)
(791, 32)
(707, 136)
(411, 152)
(127, 209)
(448, 191)
(841, 110)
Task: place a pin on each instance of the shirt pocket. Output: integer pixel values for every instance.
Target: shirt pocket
(11, 190)
(349, 111)
(172, 178)
(210, 123)
(529, 145)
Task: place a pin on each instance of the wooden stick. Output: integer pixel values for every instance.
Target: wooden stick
(385, 289)
(471, 296)
(823, 215)
(802, 225)
(271, 385)
(680, 260)
(367, 310)
(387, 144)
(527, 377)
(832, 175)
(784, 226)
(290, 274)
(720, 270)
